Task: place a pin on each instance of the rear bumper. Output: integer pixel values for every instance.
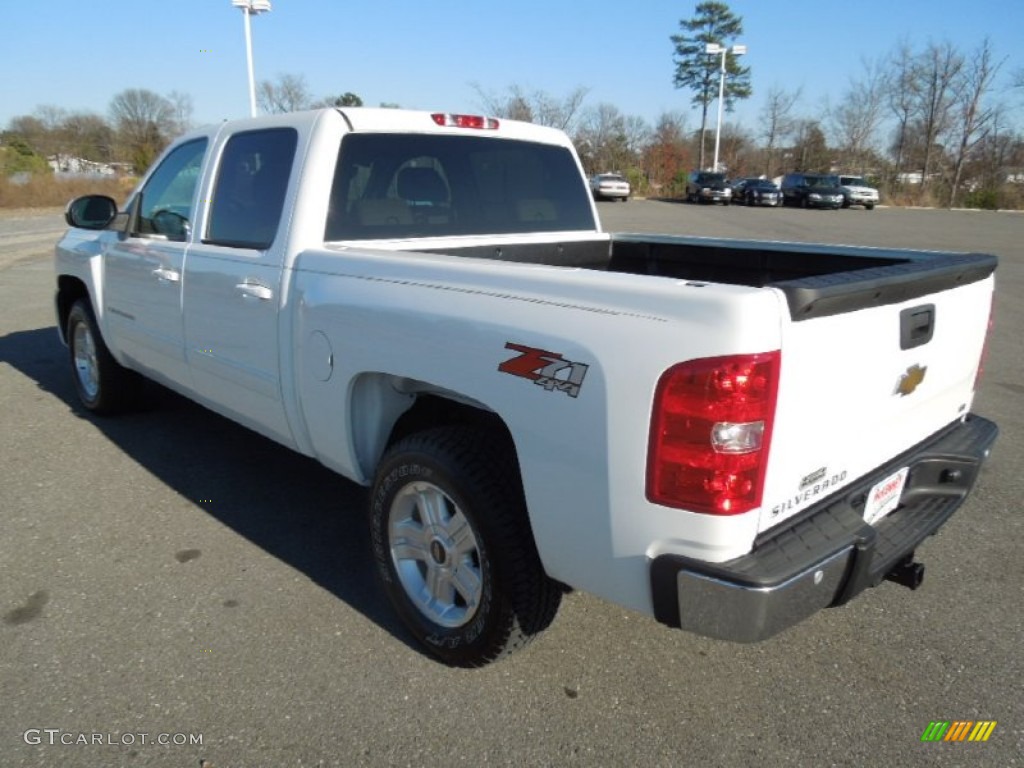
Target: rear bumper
(826, 555)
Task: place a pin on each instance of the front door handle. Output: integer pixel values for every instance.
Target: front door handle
(165, 275)
(252, 290)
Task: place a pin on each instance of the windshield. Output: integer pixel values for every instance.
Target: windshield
(853, 181)
(711, 178)
(823, 181)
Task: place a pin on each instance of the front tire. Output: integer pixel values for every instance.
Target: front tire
(453, 546)
(102, 384)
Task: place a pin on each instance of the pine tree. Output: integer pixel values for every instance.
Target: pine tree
(698, 71)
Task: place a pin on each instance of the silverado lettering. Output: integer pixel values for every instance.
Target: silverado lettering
(804, 496)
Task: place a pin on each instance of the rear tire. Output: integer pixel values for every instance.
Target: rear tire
(453, 546)
(102, 384)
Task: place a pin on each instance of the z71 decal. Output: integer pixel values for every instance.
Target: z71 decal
(546, 369)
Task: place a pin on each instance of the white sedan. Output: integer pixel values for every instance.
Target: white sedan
(609, 186)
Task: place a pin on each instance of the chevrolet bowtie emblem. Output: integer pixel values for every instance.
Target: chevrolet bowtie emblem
(910, 380)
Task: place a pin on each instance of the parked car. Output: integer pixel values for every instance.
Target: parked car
(708, 187)
(856, 191)
(812, 190)
(609, 186)
(756, 191)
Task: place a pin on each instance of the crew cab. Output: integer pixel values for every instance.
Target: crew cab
(725, 435)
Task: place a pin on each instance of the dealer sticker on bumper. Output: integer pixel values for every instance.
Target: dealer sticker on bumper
(885, 496)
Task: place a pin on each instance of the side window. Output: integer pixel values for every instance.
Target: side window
(248, 195)
(166, 201)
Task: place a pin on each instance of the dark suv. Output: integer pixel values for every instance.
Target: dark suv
(708, 187)
(812, 190)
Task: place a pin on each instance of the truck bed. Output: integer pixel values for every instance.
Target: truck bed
(817, 280)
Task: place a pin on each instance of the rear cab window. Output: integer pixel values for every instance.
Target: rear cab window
(401, 185)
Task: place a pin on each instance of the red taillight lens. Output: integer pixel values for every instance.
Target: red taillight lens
(710, 432)
(465, 121)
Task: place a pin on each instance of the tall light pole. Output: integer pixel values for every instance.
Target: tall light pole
(251, 8)
(713, 49)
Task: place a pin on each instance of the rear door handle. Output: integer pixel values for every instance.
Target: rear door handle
(251, 290)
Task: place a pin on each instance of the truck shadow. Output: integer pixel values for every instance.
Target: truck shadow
(287, 504)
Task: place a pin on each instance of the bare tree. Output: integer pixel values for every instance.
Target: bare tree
(514, 104)
(935, 74)
(602, 139)
(559, 113)
(539, 107)
(810, 149)
(973, 115)
(859, 114)
(738, 149)
(288, 94)
(637, 133)
(52, 138)
(31, 130)
(899, 89)
(667, 157)
(89, 137)
(777, 121)
(144, 122)
(181, 104)
(347, 99)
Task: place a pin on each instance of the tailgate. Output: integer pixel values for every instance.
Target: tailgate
(872, 363)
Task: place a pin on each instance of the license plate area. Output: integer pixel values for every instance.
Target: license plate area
(885, 496)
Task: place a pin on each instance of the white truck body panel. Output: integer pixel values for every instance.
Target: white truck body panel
(323, 346)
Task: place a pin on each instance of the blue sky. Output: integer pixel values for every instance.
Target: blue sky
(428, 53)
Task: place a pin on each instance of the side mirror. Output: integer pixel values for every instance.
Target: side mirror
(90, 212)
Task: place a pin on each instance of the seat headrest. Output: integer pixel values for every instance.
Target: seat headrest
(422, 185)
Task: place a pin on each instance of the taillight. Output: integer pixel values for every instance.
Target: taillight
(710, 432)
(984, 347)
(465, 121)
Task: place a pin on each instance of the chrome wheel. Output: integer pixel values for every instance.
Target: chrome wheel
(436, 554)
(86, 365)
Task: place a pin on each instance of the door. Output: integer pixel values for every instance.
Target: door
(143, 268)
(234, 281)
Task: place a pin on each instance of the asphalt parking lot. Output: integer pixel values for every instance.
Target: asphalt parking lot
(170, 574)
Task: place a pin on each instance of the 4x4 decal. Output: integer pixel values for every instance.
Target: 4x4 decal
(546, 369)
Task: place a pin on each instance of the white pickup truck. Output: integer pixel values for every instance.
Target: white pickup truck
(725, 435)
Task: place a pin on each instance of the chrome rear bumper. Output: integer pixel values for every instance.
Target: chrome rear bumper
(826, 555)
